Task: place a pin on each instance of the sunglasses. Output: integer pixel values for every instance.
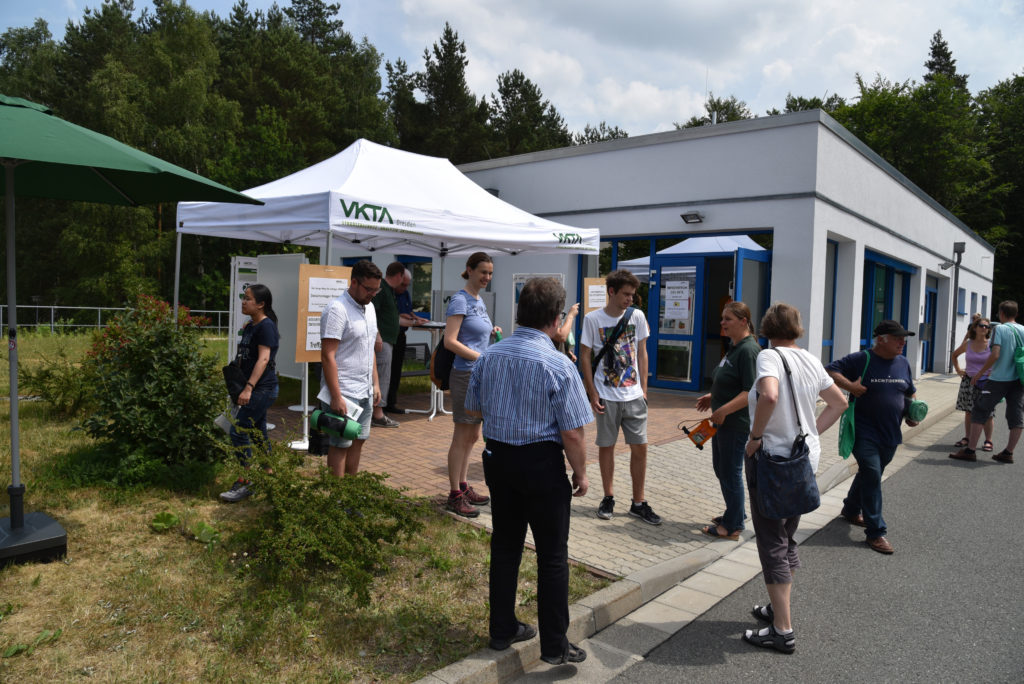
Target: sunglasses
(984, 325)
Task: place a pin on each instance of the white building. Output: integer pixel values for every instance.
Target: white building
(850, 239)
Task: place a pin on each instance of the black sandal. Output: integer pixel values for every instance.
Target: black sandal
(572, 654)
(764, 613)
(783, 643)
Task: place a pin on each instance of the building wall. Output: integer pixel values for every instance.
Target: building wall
(801, 176)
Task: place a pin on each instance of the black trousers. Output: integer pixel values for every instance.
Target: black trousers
(397, 357)
(529, 486)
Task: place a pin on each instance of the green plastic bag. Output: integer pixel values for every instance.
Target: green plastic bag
(847, 434)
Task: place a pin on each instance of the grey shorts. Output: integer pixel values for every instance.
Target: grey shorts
(459, 385)
(630, 415)
(366, 404)
(384, 371)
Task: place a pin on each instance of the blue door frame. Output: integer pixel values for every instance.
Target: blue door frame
(931, 301)
(667, 352)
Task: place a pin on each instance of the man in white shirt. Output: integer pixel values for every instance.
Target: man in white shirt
(348, 333)
(618, 389)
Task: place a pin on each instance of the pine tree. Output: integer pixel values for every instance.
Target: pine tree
(941, 62)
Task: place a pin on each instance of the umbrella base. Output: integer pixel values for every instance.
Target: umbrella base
(40, 539)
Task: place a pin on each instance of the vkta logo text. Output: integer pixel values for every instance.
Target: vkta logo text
(569, 238)
(364, 211)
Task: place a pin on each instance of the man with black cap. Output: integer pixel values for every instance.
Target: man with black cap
(882, 382)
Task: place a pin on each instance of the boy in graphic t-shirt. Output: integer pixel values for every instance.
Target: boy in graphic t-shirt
(618, 389)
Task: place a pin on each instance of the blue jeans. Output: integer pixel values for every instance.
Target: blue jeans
(865, 495)
(727, 458)
(252, 416)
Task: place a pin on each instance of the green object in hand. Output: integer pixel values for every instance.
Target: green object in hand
(916, 410)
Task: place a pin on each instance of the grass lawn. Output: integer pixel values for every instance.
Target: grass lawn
(132, 604)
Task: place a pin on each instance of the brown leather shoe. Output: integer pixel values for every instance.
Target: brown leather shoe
(1003, 456)
(857, 520)
(965, 454)
(881, 545)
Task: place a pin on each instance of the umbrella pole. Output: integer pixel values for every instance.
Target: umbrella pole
(17, 489)
(42, 538)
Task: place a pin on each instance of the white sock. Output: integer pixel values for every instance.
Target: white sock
(782, 632)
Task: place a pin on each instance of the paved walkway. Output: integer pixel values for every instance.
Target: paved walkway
(681, 486)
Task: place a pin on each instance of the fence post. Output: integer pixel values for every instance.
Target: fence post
(51, 320)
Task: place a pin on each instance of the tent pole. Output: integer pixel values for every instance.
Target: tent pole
(17, 489)
(177, 276)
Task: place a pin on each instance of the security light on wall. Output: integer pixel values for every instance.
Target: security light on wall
(692, 217)
(946, 265)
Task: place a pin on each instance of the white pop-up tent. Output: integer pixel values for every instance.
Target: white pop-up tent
(718, 244)
(382, 199)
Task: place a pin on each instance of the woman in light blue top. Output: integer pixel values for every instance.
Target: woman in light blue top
(467, 333)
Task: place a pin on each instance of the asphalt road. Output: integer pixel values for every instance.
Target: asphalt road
(948, 606)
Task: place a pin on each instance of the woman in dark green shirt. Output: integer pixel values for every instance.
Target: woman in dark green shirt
(727, 402)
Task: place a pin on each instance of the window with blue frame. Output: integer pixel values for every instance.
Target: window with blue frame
(974, 303)
(961, 301)
(886, 292)
(984, 306)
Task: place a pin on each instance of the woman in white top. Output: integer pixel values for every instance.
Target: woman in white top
(773, 425)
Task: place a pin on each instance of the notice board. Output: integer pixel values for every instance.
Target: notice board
(318, 286)
(595, 294)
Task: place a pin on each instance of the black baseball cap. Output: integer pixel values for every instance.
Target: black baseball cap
(890, 327)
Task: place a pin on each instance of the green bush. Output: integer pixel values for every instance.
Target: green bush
(154, 392)
(58, 380)
(347, 525)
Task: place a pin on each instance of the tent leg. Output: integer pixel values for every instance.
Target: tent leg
(177, 276)
(304, 444)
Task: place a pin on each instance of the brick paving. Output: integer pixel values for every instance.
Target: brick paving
(681, 485)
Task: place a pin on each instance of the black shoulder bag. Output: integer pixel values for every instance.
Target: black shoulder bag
(612, 338)
(786, 486)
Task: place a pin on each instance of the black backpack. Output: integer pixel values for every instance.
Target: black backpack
(441, 365)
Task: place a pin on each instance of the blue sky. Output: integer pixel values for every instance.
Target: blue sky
(645, 64)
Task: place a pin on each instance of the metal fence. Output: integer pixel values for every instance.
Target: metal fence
(72, 318)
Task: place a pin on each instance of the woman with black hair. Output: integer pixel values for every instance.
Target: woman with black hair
(256, 352)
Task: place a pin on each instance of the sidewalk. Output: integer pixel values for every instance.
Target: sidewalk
(681, 488)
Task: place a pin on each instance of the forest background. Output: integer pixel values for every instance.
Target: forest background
(254, 96)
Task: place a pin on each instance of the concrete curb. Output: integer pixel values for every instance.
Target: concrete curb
(602, 609)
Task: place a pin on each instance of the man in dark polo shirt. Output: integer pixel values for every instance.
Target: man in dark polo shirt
(387, 326)
(883, 393)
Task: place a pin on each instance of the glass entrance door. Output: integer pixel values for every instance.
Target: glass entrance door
(753, 279)
(675, 297)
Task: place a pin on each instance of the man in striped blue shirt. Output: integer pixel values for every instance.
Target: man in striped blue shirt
(534, 408)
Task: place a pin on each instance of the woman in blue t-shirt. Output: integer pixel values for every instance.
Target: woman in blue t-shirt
(256, 352)
(467, 333)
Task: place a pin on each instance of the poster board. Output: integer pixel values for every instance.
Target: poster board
(318, 286)
(280, 273)
(244, 273)
(595, 294)
(519, 280)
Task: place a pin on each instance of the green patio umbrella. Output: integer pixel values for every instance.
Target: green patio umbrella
(42, 155)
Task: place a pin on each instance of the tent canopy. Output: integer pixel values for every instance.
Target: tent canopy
(707, 246)
(379, 198)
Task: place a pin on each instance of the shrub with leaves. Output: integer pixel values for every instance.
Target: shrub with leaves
(60, 381)
(154, 392)
(347, 525)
